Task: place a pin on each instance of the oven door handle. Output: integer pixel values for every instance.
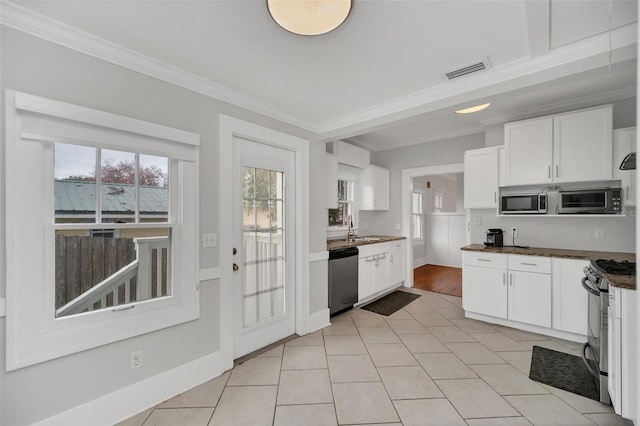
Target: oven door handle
(593, 372)
(589, 288)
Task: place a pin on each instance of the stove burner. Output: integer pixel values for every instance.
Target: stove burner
(616, 268)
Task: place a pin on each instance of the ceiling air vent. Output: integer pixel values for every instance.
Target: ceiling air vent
(480, 65)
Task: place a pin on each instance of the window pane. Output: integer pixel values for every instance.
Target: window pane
(99, 269)
(75, 184)
(336, 216)
(262, 183)
(117, 171)
(154, 188)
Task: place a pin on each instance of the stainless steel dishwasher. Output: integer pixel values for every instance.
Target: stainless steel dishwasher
(343, 279)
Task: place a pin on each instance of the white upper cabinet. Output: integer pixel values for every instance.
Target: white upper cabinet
(572, 147)
(332, 180)
(624, 142)
(374, 188)
(528, 151)
(582, 146)
(481, 178)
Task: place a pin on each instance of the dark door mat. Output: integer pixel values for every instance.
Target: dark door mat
(391, 302)
(563, 371)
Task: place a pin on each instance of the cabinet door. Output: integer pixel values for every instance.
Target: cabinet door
(380, 188)
(331, 162)
(365, 277)
(484, 291)
(528, 151)
(381, 272)
(530, 298)
(481, 178)
(396, 262)
(582, 149)
(570, 300)
(624, 142)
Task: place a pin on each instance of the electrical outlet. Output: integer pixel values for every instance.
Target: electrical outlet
(478, 220)
(209, 240)
(514, 231)
(136, 359)
(599, 234)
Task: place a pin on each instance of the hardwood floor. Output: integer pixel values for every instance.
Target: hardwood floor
(440, 279)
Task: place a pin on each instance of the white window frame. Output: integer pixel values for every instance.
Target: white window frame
(33, 125)
(438, 201)
(417, 215)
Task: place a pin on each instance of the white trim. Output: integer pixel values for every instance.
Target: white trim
(209, 273)
(230, 127)
(319, 320)
(318, 256)
(527, 327)
(407, 194)
(124, 403)
(583, 55)
(3, 307)
(23, 19)
(421, 261)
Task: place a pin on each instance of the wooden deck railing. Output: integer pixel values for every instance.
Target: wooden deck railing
(146, 277)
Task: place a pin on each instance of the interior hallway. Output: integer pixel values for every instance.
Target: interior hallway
(440, 279)
(425, 364)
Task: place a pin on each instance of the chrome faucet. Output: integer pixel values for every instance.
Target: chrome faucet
(350, 233)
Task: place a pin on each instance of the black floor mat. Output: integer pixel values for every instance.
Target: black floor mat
(391, 302)
(563, 371)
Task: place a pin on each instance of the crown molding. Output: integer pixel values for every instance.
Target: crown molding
(581, 56)
(23, 19)
(563, 106)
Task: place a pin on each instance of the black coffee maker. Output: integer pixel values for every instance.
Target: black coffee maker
(494, 237)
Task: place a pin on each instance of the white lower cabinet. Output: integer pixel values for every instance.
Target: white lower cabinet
(570, 300)
(622, 349)
(512, 287)
(380, 267)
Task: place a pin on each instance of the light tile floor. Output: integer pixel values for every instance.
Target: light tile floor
(424, 365)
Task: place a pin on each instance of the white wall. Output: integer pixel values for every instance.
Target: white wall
(35, 66)
(448, 151)
(559, 232)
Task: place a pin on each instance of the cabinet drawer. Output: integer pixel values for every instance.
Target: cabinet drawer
(372, 250)
(530, 264)
(486, 260)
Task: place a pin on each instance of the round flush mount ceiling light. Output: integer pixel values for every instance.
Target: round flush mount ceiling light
(309, 17)
(473, 109)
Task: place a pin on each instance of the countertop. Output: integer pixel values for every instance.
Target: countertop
(340, 243)
(621, 281)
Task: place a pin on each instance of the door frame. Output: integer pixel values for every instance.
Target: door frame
(230, 127)
(407, 190)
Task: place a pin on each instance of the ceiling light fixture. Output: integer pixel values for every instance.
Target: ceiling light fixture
(309, 17)
(473, 109)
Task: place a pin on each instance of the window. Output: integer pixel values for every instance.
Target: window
(102, 228)
(338, 217)
(417, 216)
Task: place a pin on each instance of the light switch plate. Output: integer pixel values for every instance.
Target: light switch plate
(209, 240)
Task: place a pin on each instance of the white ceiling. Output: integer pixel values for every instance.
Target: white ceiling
(378, 78)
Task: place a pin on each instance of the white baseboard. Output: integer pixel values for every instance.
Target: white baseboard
(421, 261)
(319, 320)
(573, 337)
(131, 400)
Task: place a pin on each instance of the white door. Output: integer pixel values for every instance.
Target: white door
(264, 302)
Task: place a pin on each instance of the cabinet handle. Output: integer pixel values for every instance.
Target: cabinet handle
(484, 260)
(627, 194)
(495, 197)
(549, 172)
(557, 173)
(391, 258)
(511, 280)
(504, 279)
(528, 264)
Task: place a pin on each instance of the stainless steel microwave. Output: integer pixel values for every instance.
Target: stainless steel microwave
(590, 201)
(523, 204)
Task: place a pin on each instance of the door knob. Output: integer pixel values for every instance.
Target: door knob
(235, 267)
(235, 251)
